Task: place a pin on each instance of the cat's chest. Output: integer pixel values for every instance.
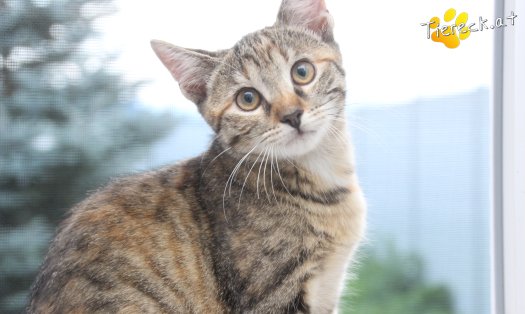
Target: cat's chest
(274, 254)
(269, 246)
(274, 234)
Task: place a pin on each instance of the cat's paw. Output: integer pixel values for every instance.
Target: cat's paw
(450, 35)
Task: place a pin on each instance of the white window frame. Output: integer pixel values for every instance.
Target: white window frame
(508, 277)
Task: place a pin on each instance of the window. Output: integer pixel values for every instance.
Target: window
(84, 98)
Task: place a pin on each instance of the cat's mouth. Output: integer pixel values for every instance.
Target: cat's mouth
(298, 143)
(299, 136)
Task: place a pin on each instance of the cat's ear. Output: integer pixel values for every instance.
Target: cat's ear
(311, 14)
(191, 68)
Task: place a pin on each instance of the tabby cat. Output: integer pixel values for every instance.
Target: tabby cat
(266, 221)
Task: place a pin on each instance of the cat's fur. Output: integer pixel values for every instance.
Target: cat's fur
(266, 221)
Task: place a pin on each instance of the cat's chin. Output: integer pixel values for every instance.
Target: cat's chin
(299, 144)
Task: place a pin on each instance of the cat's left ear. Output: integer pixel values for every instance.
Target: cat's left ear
(191, 68)
(311, 14)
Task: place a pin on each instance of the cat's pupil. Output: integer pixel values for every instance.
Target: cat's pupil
(302, 71)
(248, 97)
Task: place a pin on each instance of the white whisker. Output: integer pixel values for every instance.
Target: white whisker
(246, 179)
(259, 172)
(231, 178)
(264, 175)
(271, 175)
(281, 178)
(224, 151)
(238, 166)
(338, 134)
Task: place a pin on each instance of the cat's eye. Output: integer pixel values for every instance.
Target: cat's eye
(248, 99)
(303, 72)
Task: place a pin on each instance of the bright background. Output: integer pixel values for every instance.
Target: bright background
(419, 116)
(387, 55)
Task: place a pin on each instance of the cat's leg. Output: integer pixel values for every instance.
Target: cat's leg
(323, 290)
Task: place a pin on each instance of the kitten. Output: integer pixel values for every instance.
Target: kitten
(266, 221)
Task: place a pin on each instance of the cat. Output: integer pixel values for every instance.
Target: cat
(267, 220)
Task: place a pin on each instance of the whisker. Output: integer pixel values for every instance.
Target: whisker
(338, 134)
(239, 166)
(281, 178)
(204, 155)
(259, 172)
(322, 106)
(264, 175)
(224, 151)
(271, 174)
(291, 163)
(245, 179)
(231, 178)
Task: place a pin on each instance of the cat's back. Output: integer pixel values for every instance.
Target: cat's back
(137, 245)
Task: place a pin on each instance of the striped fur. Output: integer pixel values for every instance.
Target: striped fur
(266, 221)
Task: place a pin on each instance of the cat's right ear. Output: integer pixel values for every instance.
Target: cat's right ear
(192, 69)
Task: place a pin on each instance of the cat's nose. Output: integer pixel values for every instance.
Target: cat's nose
(293, 119)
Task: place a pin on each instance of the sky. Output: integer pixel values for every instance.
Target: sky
(386, 53)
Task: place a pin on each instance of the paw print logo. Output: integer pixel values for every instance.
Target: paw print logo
(450, 35)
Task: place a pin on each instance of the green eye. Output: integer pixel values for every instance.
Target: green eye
(303, 72)
(248, 99)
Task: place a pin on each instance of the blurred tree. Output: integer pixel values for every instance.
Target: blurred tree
(392, 283)
(66, 125)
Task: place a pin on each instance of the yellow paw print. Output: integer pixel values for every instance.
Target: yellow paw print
(452, 34)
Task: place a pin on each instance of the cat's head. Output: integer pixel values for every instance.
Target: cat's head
(280, 89)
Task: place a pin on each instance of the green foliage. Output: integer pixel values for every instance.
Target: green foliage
(392, 283)
(66, 125)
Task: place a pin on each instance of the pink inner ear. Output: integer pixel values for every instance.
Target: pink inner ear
(318, 8)
(317, 16)
(174, 60)
(191, 69)
(310, 13)
(184, 70)
(319, 23)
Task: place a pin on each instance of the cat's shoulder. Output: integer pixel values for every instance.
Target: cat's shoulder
(145, 196)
